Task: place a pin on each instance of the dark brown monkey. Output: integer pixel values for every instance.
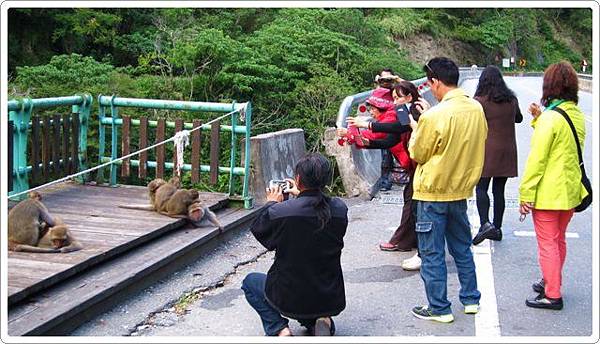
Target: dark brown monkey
(60, 238)
(26, 222)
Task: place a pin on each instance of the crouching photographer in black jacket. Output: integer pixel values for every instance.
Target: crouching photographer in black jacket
(305, 281)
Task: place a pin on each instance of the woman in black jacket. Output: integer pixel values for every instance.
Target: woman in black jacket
(305, 281)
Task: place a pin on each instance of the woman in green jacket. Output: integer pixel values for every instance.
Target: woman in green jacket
(551, 184)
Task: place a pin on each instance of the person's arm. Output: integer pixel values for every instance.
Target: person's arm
(388, 142)
(541, 143)
(424, 140)
(391, 127)
(519, 115)
(265, 229)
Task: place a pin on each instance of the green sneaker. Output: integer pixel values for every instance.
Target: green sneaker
(424, 313)
(471, 309)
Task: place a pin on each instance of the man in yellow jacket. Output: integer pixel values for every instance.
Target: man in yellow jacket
(448, 145)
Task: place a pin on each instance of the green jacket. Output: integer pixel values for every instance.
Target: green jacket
(449, 147)
(552, 177)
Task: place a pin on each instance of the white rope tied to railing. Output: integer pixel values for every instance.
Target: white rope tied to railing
(181, 140)
(122, 158)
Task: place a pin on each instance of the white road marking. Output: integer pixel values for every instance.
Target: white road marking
(532, 234)
(487, 322)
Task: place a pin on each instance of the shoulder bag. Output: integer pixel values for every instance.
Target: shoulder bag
(587, 200)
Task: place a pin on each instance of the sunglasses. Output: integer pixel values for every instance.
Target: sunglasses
(433, 74)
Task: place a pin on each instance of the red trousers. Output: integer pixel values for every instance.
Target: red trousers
(550, 228)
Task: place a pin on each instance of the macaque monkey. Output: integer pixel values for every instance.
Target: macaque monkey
(60, 238)
(198, 215)
(179, 202)
(168, 199)
(159, 192)
(27, 222)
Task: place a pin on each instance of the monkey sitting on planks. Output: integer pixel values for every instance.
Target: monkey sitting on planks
(60, 238)
(27, 222)
(167, 199)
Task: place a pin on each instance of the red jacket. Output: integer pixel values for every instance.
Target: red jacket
(399, 151)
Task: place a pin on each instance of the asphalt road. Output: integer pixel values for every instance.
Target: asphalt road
(379, 293)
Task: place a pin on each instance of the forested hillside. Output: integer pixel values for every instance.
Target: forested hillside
(294, 65)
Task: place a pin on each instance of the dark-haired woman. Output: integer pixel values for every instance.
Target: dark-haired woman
(551, 185)
(404, 238)
(305, 281)
(501, 112)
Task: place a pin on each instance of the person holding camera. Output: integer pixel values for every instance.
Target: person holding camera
(307, 232)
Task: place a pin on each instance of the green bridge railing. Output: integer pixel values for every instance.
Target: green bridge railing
(113, 104)
(20, 113)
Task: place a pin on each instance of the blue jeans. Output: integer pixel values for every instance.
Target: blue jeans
(438, 223)
(254, 289)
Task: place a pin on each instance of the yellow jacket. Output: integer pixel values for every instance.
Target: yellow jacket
(449, 147)
(552, 177)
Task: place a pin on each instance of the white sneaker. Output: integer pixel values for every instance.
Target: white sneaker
(413, 263)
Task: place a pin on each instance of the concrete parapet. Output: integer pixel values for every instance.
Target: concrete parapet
(354, 183)
(274, 156)
(585, 85)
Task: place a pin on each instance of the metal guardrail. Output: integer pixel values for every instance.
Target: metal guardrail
(367, 161)
(112, 104)
(20, 111)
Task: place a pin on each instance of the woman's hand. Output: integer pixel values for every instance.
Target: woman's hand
(413, 124)
(422, 105)
(363, 140)
(357, 122)
(275, 194)
(292, 188)
(525, 208)
(341, 132)
(534, 110)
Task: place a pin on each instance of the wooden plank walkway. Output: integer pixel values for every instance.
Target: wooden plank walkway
(59, 309)
(104, 230)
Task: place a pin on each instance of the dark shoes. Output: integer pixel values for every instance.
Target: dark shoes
(323, 327)
(487, 231)
(538, 286)
(541, 301)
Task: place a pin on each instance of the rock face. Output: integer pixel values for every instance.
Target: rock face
(274, 156)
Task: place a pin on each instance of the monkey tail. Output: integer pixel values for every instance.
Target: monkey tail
(34, 249)
(137, 206)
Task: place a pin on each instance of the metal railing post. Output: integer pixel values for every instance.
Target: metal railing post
(232, 151)
(101, 140)
(114, 112)
(20, 119)
(248, 119)
(83, 111)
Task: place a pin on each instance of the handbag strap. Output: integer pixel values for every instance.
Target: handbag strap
(564, 114)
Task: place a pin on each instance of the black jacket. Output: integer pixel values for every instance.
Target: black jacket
(305, 281)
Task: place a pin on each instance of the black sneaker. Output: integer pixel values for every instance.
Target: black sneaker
(541, 301)
(538, 286)
(487, 231)
(423, 312)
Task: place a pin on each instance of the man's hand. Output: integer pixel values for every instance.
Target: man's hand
(292, 188)
(535, 110)
(275, 194)
(357, 122)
